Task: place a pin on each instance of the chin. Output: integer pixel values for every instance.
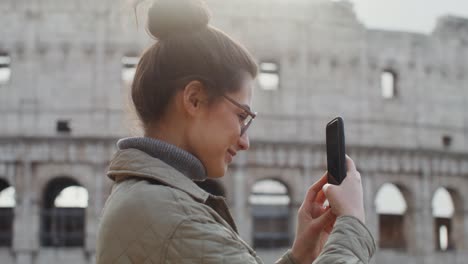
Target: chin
(217, 172)
(216, 175)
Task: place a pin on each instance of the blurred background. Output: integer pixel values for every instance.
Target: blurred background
(396, 71)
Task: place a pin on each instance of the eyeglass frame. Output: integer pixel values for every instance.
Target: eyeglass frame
(247, 110)
(204, 80)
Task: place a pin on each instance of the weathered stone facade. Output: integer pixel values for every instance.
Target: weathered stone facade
(66, 65)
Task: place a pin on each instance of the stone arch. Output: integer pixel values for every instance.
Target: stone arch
(403, 187)
(278, 179)
(7, 204)
(448, 222)
(270, 202)
(62, 225)
(4, 184)
(392, 207)
(281, 179)
(82, 175)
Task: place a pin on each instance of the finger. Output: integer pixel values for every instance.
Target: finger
(326, 218)
(326, 188)
(325, 208)
(320, 199)
(313, 191)
(317, 186)
(351, 167)
(322, 210)
(318, 209)
(331, 219)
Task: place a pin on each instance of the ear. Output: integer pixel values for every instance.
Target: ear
(194, 96)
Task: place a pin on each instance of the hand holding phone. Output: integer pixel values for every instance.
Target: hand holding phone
(336, 153)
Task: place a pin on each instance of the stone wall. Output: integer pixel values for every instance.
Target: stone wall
(66, 65)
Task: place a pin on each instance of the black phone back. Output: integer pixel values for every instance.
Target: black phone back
(336, 153)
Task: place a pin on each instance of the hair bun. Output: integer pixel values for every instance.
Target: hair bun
(168, 17)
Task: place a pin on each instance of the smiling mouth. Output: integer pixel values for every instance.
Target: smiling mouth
(230, 155)
(232, 152)
(228, 158)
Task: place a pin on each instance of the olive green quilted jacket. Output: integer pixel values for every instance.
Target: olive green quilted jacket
(157, 215)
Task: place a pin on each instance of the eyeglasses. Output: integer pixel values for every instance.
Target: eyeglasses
(246, 120)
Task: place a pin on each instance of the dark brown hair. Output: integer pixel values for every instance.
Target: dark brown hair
(186, 46)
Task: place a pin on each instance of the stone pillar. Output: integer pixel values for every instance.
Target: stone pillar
(241, 191)
(458, 228)
(26, 224)
(369, 191)
(93, 210)
(463, 256)
(372, 218)
(23, 258)
(7, 172)
(96, 200)
(419, 227)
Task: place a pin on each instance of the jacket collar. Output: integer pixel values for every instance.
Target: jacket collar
(179, 159)
(128, 163)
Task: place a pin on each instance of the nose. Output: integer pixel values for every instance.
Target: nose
(244, 143)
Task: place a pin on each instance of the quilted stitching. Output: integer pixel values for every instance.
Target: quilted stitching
(135, 162)
(135, 228)
(147, 223)
(203, 240)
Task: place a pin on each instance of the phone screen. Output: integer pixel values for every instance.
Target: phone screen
(336, 157)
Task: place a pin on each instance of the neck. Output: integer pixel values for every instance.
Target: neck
(171, 132)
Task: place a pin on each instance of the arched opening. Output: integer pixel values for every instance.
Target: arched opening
(391, 209)
(270, 203)
(7, 206)
(63, 213)
(388, 84)
(442, 211)
(268, 76)
(5, 69)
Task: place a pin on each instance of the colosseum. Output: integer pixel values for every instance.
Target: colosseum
(65, 70)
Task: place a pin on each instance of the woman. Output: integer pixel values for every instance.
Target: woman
(192, 92)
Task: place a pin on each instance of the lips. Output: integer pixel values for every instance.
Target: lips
(232, 152)
(230, 155)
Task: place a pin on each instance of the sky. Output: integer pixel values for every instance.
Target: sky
(407, 15)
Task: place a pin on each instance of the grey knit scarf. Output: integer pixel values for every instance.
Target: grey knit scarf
(177, 158)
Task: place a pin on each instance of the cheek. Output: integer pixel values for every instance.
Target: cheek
(221, 132)
(215, 136)
(211, 150)
(229, 128)
(222, 126)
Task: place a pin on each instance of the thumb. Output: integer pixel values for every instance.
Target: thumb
(327, 189)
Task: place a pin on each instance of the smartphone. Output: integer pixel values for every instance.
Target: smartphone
(336, 153)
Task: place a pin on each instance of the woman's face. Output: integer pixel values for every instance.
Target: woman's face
(216, 138)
